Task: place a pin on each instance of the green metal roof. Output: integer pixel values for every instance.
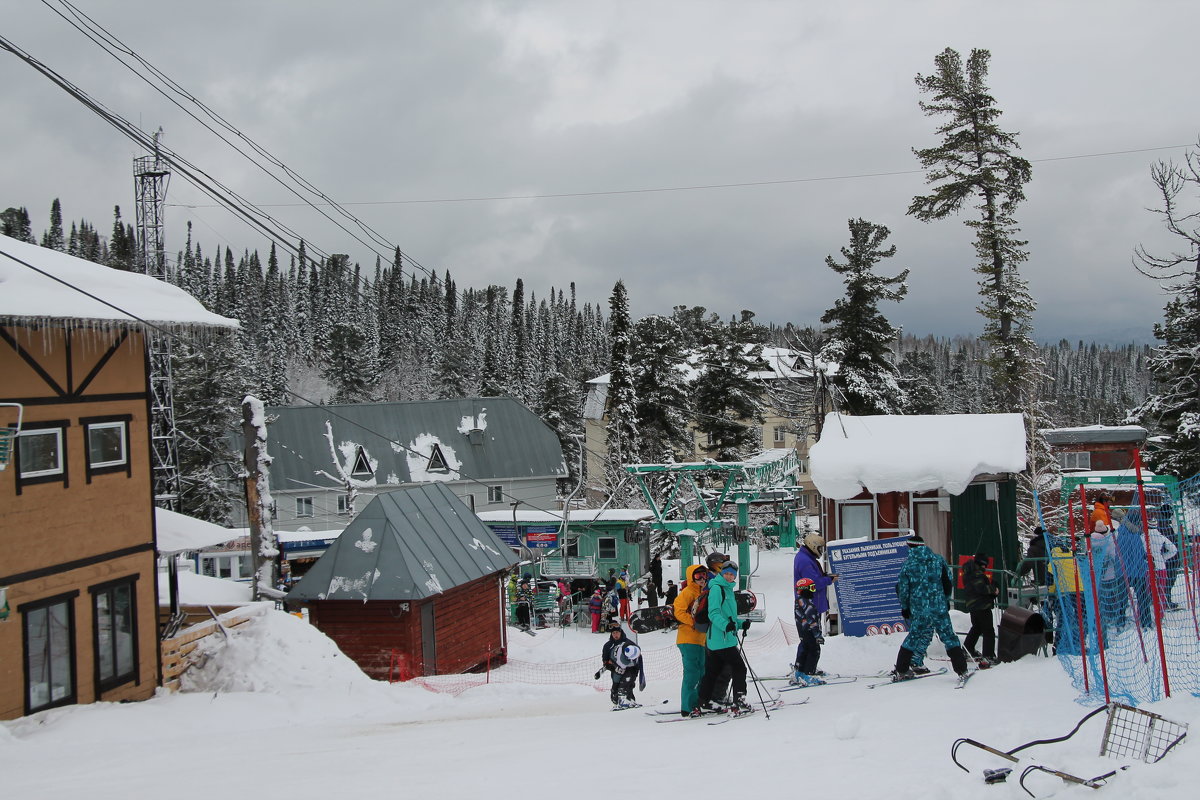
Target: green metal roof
(481, 438)
(409, 544)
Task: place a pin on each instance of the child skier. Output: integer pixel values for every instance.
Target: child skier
(808, 625)
(623, 659)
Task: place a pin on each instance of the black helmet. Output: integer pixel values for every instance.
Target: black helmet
(714, 560)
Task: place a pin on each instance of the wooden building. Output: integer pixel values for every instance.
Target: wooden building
(78, 619)
(950, 478)
(412, 587)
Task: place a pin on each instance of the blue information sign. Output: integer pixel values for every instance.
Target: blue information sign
(866, 586)
(507, 534)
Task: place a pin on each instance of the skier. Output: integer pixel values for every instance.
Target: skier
(924, 591)
(808, 625)
(807, 564)
(524, 602)
(689, 640)
(980, 598)
(722, 644)
(656, 574)
(623, 595)
(623, 659)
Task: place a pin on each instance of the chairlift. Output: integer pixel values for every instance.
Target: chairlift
(8, 435)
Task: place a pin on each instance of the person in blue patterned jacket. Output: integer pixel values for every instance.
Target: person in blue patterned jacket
(924, 590)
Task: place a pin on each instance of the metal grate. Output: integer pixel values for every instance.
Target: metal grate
(1134, 733)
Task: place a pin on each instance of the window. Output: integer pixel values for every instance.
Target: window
(1075, 460)
(113, 608)
(606, 548)
(304, 506)
(856, 519)
(495, 494)
(343, 504)
(49, 634)
(437, 461)
(780, 434)
(362, 466)
(107, 444)
(571, 548)
(41, 453)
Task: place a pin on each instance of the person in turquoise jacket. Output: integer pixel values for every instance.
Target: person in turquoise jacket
(924, 590)
(722, 643)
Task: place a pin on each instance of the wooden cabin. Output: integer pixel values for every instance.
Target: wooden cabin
(78, 621)
(412, 587)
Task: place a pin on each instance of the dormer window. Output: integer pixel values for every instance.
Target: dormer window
(437, 461)
(362, 467)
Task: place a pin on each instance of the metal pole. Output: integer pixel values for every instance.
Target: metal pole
(1150, 572)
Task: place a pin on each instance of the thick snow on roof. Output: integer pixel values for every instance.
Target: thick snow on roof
(179, 533)
(39, 284)
(202, 590)
(887, 453)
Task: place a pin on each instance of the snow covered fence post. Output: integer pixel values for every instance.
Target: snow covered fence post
(263, 550)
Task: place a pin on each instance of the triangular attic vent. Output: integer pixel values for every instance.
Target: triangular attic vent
(361, 465)
(437, 461)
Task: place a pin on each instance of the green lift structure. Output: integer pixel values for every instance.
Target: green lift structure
(769, 477)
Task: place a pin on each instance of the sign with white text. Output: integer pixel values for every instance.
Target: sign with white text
(866, 586)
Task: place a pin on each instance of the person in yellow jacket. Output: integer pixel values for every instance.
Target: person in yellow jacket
(689, 640)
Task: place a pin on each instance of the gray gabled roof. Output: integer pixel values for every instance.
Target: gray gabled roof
(481, 438)
(1096, 434)
(409, 544)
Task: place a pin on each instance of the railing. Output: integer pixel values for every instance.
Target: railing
(574, 567)
(176, 652)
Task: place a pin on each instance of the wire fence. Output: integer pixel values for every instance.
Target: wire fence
(661, 664)
(1123, 603)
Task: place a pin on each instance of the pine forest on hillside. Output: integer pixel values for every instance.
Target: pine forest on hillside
(333, 332)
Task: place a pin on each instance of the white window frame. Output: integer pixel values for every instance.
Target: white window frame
(305, 501)
(124, 457)
(780, 434)
(27, 435)
(496, 494)
(343, 505)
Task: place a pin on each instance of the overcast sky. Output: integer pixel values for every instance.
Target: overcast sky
(407, 112)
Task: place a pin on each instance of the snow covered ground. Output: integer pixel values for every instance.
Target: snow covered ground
(279, 712)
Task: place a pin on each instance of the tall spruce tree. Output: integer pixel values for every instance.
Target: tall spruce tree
(728, 407)
(976, 163)
(663, 399)
(54, 238)
(1174, 408)
(623, 445)
(860, 337)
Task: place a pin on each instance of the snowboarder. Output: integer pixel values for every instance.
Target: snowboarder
(623, 659)
(808, 625)
(980, 598)
(672, 593)
(689, 640)
(924, 591)
(722, 643)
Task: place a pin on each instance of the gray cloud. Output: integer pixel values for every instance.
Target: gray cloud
(377, 102)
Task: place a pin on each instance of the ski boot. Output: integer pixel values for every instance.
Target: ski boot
(805, 679)
(903, 670)
(705, 708)
(740, 706)
(921, 670)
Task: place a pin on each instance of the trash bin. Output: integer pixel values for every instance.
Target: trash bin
(1022, 633)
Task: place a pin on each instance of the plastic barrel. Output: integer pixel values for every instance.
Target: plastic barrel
(1022, 633)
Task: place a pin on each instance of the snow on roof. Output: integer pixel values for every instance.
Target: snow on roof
(890, 453)
(178, 533)
(39, 284)
(202, 590)
(775, 363)
(1096, 434)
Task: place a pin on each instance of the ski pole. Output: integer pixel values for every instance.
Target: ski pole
(750, 669)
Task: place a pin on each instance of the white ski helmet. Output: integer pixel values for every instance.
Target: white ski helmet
(630, 653)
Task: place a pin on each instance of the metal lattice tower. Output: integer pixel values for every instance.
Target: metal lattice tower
(150, 177)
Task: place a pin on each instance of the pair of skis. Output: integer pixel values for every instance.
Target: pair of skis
(960, 683)
(723, 715)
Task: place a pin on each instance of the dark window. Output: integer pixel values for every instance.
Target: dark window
(495, 494)
(304, 506)
(41, 453)
(114, 606)
(437, 461)
(49, 634)
(606, 548)
(362, 467)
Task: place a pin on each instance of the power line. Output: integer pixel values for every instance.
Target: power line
(697, 187)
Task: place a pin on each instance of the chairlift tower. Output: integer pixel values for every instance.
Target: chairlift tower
(150, 177)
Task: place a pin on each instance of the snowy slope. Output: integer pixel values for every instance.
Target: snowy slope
(279, 712)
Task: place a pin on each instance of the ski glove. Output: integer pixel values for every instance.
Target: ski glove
(820, 640)
(730, 627)
(746, 625)
(598, 673)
